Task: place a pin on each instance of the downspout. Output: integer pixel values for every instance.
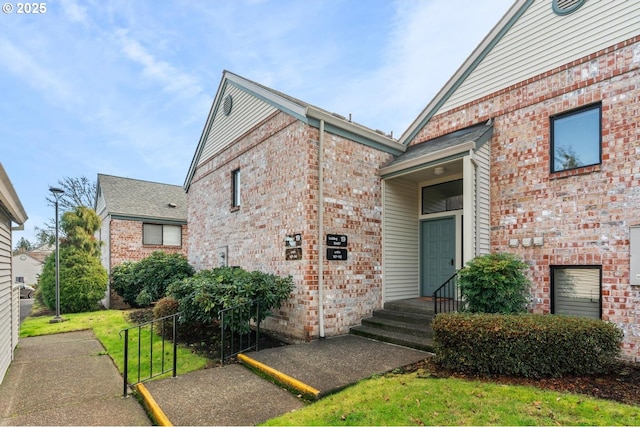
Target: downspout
(321, 231)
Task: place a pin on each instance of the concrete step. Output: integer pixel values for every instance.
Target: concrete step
(398, 323)
(406, 340)
(404, 316)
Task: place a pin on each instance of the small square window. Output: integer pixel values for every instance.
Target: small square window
(576, 139)
(235, 188)
(576, 290)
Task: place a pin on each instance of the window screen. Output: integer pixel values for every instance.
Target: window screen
(152, 234)
(165, 235)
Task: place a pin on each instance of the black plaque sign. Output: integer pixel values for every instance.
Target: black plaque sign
(293, 254)
(339, 240)
(334, 254)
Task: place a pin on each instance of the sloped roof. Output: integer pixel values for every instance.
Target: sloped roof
(301, 110)
(438, 149)
(133, 198)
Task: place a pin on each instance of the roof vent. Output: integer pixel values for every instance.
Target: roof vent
(565, 7)
(172, 205)
(227, 103)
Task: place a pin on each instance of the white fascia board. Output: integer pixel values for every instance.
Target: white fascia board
(429, 158)
(9, 199)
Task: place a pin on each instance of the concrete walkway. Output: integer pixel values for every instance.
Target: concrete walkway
(65, 379)
(234, 395)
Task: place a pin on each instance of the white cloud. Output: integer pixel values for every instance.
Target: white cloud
(75, 12)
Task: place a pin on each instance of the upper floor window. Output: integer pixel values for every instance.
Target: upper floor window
(161, 234)
(235, 188)
(576, 139)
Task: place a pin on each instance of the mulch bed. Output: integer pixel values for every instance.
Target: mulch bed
(620, 383)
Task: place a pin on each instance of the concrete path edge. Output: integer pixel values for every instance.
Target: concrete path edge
(285, 379)
(152, 406)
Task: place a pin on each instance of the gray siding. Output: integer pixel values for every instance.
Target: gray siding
(483, 200)
(401, 236)
(538, 42)
(246, 112)
(6, 300)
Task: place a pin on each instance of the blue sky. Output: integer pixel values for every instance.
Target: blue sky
(124, 87)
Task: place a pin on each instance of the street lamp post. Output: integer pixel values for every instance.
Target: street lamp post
(57, 192)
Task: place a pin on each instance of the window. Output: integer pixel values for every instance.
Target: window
(576, 139)
(161, 234)
(235, 188)
(576, 290)
(442, 197)
(19, 279)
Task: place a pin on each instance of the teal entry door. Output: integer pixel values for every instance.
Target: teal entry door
(437, 253)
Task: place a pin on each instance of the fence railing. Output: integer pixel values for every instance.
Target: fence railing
(448, 296)
(153, 353)
(236, 334)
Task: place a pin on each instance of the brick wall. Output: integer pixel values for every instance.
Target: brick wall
(583, 215)
(278, 160)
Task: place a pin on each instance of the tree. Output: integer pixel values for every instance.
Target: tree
(22, 246)
(79, 226)
(83, 280)
(78, 192)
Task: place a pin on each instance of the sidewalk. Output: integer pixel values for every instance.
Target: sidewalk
(233, 395)
(65, 379)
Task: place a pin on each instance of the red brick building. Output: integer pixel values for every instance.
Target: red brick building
(138, 218)
(532, 147)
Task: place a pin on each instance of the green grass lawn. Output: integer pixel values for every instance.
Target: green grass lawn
(418, 399)
(106, 325)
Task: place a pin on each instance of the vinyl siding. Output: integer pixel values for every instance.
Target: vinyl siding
(538, 42)
(401, 236)
(483, 200)
(6, 303)
(246, 112)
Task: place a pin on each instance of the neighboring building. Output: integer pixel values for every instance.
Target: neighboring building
(12, 217)
(532, 147)
(138, 218)
(27, 266)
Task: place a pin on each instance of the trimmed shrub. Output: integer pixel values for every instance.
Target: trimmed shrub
(83, 281)
(528, 345)
(140, 283)
(495, 283)
(204, 295)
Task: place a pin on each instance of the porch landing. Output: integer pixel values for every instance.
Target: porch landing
(404, 322)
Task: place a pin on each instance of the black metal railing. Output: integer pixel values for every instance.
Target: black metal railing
(153, 355)
(236, 333)
(447, 297)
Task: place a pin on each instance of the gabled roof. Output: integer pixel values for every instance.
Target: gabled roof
(128, 198)
(480, 52)
(532, 38)
(300, 110)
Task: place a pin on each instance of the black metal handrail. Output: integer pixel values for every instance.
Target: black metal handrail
(155, 325)
(448, 296)
(240, 337)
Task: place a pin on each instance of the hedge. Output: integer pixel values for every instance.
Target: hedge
(528, 345)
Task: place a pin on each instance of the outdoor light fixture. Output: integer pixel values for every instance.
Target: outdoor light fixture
(438, 170)
(57, 193)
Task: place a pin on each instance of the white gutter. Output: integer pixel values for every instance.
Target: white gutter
(321, 231)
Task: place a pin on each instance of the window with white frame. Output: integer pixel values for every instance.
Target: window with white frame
(576, 290)
(161, 234)
(576, 138)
